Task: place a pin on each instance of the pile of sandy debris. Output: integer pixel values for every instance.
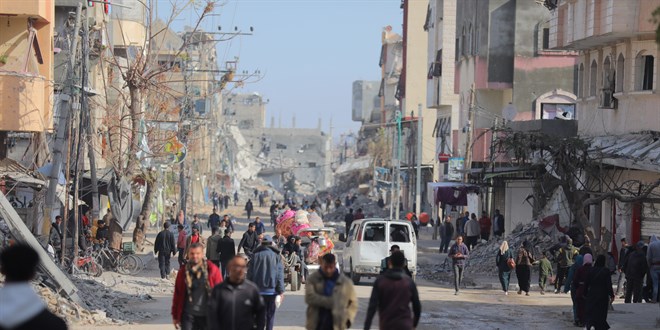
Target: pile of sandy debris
(482, 257)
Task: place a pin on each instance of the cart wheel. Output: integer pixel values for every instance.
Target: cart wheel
(295, 280)
(299, 277)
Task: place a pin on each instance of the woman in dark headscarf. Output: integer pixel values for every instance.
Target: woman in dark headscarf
(579, 284)
(598, 294)
(524, 262)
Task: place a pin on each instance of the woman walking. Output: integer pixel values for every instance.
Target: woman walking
(524, 267)
(599, 295)
(503, 266)
(579, 281)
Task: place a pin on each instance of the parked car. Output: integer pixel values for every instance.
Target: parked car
(368, 242)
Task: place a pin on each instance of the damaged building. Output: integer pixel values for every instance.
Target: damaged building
(281, 153)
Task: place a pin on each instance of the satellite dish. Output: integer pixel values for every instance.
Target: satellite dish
(509, 112)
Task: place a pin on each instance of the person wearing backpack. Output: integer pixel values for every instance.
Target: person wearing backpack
(565, 259)
(505, 263)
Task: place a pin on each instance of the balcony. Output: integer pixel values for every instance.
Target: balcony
(25, 102)
(43, 9)
(582, 24)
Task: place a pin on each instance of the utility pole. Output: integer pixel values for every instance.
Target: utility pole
(418, 183)
(399, 148)
(467, 163)
(62, 125)
(86, 114)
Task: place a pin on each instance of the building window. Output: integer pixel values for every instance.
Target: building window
(557, 110)
(457, 53)
(463, 43)
(545, 39)
(468, 43)
(644, 77)
(620, 73)
(593, 75)
(608, 75)
(580, 87)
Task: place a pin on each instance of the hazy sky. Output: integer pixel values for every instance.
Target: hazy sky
(310, 51)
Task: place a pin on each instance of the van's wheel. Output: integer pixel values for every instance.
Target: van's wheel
(295, 280)
(354, 276)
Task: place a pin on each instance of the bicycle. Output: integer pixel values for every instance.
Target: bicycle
(121, 262)
(84, 264)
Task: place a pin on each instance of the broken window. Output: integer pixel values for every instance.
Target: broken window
(620, 70)
(593, 75)
(647, 75)
(427, 22)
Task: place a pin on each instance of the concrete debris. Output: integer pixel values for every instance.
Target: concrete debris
(482, 257)
(369, 207)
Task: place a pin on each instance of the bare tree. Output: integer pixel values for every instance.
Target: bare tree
(573, 164)
(145, 86)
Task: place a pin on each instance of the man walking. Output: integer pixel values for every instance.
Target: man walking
(214, 220)
(181, 245)
(249, 208)
(226, 251)
(55, 236)
(196, 224)
(212, 247)
(249, 242)
(472, 230)
(259, 226)
(236, 304)
(565, 259)
(235, 198)
(446, 234)
(635, 268)
(622, 259)
(163, 247)
(192, 288)
(485, 224)
(348, 220)
(22, 308)
(330, 297)
(458, 253)
(358, 215)
(196, 237)
(460, 223)
(267, 272)
(392, 294)
(498, 224)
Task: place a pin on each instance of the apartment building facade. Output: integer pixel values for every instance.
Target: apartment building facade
(617, 99)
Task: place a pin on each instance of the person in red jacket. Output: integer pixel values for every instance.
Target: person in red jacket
(484, 225)
(192, 289)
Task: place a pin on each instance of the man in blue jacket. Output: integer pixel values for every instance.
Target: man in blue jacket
(267, 272)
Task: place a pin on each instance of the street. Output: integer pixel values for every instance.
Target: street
(482, 306)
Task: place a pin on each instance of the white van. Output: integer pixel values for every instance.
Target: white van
(368, 242)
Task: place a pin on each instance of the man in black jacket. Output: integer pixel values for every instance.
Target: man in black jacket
(236, 302)
(214, 221)
(249, 241)
(392, 294)
(446, 234)
(22, 308)
(226, 250)
(163, 246)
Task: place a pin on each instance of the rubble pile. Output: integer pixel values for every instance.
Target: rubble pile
(482, 257)
(368, 206)
(71, 311)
